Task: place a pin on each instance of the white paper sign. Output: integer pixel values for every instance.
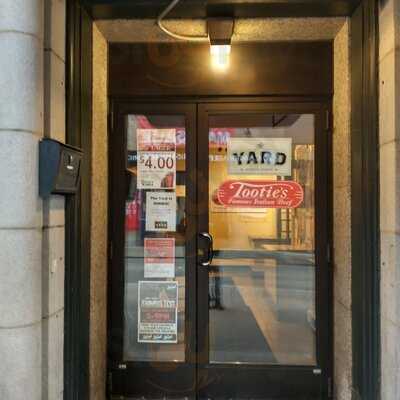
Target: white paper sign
(156, 158)
(259, 156)
(159, 257)
(160, 212)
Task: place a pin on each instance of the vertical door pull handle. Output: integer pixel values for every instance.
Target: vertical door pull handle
(210, 250)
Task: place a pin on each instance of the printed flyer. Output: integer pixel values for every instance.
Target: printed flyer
(159, 257)
(156, 158)
(158, 312)
(160, 212)
(259, 156)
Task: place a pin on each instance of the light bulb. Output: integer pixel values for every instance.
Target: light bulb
(220, 56)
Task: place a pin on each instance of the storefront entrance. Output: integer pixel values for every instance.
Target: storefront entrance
(220, 282)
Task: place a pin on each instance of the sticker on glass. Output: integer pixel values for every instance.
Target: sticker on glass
(158, 312)
(259, 156)
(264, 194)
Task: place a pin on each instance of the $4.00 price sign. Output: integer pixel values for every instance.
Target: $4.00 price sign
(160, 161)
(156, 170)
(156, 158)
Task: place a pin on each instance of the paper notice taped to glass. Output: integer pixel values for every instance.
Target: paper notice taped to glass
(160, 211)
(156, 155)
(159, 257)
(158, 312)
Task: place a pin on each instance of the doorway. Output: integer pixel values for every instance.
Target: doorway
(220, 272)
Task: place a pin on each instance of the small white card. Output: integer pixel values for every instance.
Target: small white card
(160, 212)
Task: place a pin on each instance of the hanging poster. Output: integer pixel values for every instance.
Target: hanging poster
(160, 212)
(158, 312)
(265, 194)
(159, 257)
(156, 158)
(259, 156)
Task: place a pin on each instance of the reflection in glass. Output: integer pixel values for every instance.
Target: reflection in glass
(262, 279)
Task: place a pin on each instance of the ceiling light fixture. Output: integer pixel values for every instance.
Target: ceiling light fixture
(219, 36)
(220, 32)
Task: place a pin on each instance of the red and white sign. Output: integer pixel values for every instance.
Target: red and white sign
(159, 257)
(156, 158)
(263, 194)
(156, 140)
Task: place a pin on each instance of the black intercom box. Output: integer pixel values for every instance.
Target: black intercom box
(59, 168)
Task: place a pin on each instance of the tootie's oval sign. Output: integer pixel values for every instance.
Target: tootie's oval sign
(263, 194)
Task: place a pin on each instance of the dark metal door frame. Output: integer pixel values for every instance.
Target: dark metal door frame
(365, 231)
(253, 381)
(155, 381)
(256, 380)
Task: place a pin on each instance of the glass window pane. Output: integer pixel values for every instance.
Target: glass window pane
(154, 325)
(261, 217)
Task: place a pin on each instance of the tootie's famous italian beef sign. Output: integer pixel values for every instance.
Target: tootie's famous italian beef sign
(259, 193)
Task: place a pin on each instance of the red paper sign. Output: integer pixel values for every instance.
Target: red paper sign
(132, 216)
(159, 257)
(262, 194)
(159, 250)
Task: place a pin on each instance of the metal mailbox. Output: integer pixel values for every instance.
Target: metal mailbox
(59, 168)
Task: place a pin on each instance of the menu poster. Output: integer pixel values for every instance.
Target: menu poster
(160, 211)
(158, 312)
(159, 257)
(156, 158)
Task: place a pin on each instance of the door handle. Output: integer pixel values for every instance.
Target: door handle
(210, 250)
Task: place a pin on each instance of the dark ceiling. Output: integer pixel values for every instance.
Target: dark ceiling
(138, 9)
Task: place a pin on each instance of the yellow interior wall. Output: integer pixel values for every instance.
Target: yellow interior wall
(232, 230)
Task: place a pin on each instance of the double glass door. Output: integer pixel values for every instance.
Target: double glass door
(219, 277)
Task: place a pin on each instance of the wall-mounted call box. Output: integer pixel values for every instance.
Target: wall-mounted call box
(59, 168)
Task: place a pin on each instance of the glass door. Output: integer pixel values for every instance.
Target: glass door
(262, 270)
(152, 314)
(218, 225)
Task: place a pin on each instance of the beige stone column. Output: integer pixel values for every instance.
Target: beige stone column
(53, 244)
(389, 150)
(98, 250)
(342, 215)
(21, 126)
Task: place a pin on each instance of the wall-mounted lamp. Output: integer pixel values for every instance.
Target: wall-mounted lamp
(219, 36)
(220, 32)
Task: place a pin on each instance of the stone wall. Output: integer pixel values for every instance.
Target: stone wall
(32, 105)
(53, 245)
(246, 29)
(21, 218)
(342, 216)
(98, 267)
(389, 149)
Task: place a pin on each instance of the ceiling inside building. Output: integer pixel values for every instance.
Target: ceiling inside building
(246, 29)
